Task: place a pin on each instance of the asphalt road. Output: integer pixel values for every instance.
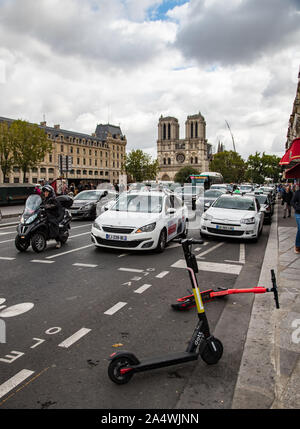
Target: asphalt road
(84, 304)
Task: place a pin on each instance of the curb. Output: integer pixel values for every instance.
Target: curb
(256, 383)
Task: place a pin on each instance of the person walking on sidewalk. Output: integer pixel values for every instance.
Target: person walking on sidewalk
(286, 201)
(296, 204)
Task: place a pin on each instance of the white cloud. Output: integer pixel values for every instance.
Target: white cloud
(84, 63)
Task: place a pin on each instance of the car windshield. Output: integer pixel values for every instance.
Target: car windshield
(138, 203)
(33, 202)
(212, 194)
(88, 195)
(245, 187)
(262, 199)
(235, 203)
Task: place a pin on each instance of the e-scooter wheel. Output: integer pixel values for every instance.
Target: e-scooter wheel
(114, 370)
(212, 352)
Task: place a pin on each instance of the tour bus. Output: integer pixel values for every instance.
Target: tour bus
(207, 179)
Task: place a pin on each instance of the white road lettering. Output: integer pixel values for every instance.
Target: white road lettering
(12, 357)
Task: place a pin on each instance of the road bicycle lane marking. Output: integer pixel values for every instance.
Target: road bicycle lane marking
(69, 251)
(115, 308)
(142, 289)
(215, 267)
(242, 257)
(211, 249)
(6, 258)
(74, 338)
(14, 381)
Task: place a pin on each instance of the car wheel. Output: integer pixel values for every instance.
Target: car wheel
(162, 242)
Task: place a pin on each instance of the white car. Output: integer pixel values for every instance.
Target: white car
(233, 216)
(141, 221)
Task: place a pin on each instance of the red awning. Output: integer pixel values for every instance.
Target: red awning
(294, 172)
(285, 160)
(292, 153)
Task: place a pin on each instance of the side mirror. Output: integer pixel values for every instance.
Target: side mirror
(105, 208)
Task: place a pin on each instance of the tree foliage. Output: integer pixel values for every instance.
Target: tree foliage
(261, 166)
(140, 166)
(6, 152)
(230, 164)
(183, 174)
(30, 145)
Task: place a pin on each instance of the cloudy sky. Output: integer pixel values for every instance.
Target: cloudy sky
(127, 62)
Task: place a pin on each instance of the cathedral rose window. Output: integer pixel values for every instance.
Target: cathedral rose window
(180, 158)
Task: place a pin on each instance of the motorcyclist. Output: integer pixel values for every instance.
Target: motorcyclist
(53, 211)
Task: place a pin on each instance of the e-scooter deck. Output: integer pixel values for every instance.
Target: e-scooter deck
(187, 302)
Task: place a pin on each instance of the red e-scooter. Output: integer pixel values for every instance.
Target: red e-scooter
(187, 302)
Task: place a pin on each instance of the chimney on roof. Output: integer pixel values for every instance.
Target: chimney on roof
(43, 124)
(57, 126)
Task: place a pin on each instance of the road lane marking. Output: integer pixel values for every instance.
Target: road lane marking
(242, 258)
(212, 266)
(7, 241)
(42, 261)
(131, 270)
(79, 235)
(162, 274)
(115, 308)
(123, 254)
(69, 251)
(14, 381)
(6, 233)
(142, 289)
(78, 264)
(210, 250)
(74, 338)
(5, 258)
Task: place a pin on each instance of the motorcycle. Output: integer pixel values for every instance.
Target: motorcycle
(34, 227)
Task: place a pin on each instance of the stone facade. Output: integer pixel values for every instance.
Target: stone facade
(96, 158)
(294, 122)
(174, 153)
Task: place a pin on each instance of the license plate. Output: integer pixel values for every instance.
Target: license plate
(116, 237)
(228, 228)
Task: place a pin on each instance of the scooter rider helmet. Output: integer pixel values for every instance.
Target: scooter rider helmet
(48, 188)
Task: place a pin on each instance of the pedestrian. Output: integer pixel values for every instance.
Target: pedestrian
(296, 205)
(286, 201)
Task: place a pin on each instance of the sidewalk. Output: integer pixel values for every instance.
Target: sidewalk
(269, 375)
(8, 212)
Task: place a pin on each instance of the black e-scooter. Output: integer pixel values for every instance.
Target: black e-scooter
(124, 364)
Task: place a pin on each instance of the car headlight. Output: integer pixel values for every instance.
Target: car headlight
(97, 226)
(207, 217)
(248, 220)
(147, 228)
(87, 206)
(207, 204)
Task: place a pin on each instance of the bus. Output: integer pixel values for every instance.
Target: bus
(207, 179)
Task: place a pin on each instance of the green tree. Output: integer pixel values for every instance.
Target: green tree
(30, 145)
(261, 166)
(183, 174)
(230, 164)
(6, 150)
(140, 166)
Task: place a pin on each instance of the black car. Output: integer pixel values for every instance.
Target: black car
(209, 197)
(85, 203)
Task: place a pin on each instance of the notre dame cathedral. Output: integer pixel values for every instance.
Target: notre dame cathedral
(174, 153)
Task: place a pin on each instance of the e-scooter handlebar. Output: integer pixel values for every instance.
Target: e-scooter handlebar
(274, 288)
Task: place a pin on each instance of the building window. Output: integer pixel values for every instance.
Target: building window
(90, 172)
(192, 130)
(192, 160)
(78, 151)
(196, 129)
(83, 161)
(165, 161)
(50, 170)
(61, 147)
(71, 149)
(78, 171)
(84, 172)
(16, 180)
(196, 160)
(43, 170)
(169, 161)
(164, 132)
